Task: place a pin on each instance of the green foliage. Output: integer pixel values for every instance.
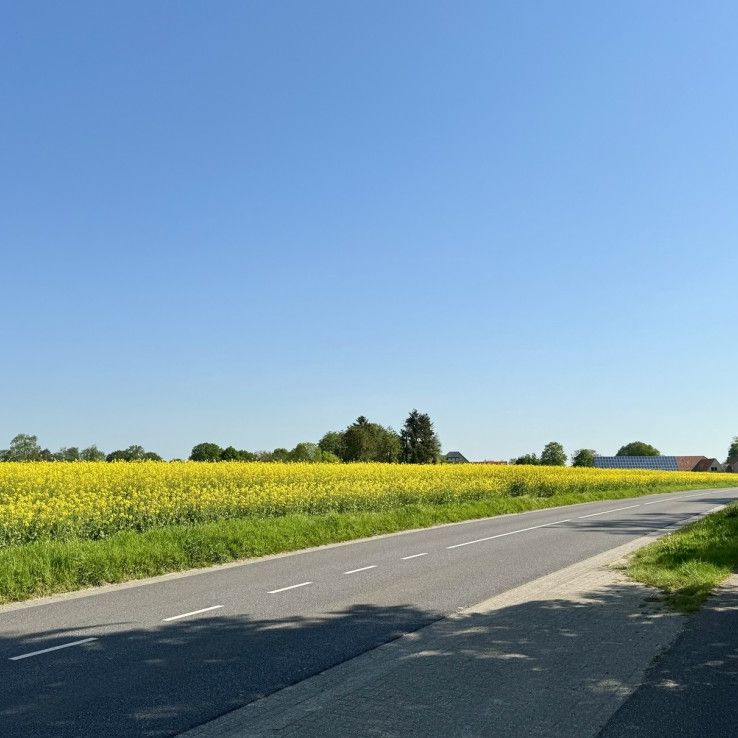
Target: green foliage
(553, 455)
(206, 452)
(313, 453)
(232, 454)
(70, 453)
(361, 441)
(733, 450)
(638, 448)
(365, 441)
(419, 442)
(527, 459)
(388, 445)
(133, 453)
(24, 447)
(332, 442)
(91, 453)
(226, 454)
(583, 457)
(116, 456)
(305, 452)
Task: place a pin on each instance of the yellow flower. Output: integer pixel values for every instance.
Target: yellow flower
(95, 499)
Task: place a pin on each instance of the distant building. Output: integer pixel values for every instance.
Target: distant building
(659, 463)
(456, 457)
(731, 465)
(690, 463)
(708, 465)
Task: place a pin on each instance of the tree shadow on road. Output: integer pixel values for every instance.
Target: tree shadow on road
(691, 690)
(572, 654)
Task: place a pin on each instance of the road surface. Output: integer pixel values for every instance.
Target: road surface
(690, 690)
(157, 658)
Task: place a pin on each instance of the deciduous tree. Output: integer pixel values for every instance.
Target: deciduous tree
(553, 455)
(638, 448)
(68, 453)
(365, 441)
(527, 459)
(227, 454)
(91, 453)
(733, 450)
(206, 452)
(332, 442)
(584, 457)
(24, 447)
(133, 453)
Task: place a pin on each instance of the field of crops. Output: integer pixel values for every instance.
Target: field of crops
(57, 501)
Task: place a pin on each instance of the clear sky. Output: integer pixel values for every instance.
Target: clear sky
(250, 222)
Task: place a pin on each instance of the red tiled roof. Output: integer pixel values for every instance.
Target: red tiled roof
(688, 463)
(704, 465)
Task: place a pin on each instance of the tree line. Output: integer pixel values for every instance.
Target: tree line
(25, 447)
(416, 443)
(553, 454)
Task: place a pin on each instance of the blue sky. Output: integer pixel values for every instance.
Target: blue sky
(250, 222)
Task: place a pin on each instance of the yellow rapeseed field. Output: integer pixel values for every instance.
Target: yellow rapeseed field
(95, 499)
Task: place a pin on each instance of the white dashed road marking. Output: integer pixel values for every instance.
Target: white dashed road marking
(53, 648)
(510, 533)
(604, 512)
(292, 586)
(194, 612)
(374, 566)
(681, 497)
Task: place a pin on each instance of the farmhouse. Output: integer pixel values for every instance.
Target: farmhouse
(659, 463)
(709, 465)
(456, 457)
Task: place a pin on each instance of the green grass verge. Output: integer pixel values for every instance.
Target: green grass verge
(688, 564)
(49, 567)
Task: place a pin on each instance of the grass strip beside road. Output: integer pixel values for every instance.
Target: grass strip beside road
(50, 567)
(689, 563)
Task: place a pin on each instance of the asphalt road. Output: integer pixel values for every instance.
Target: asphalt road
(690, 691)
(157, 658)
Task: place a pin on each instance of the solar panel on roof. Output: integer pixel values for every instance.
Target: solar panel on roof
(655, 463)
